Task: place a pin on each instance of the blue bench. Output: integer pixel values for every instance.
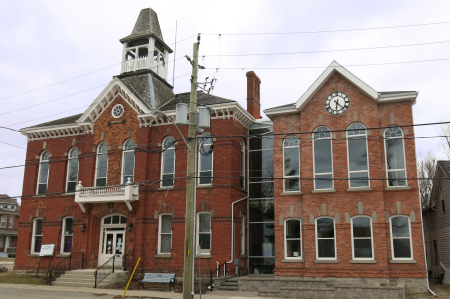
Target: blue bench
(158, 277)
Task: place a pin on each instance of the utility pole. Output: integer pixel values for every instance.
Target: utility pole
(190, 182)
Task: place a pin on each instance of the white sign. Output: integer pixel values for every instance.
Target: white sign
(47, 250)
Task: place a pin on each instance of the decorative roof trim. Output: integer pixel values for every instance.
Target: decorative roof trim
(398, 97)
(58, 131)
(271, 112)
(323, 78)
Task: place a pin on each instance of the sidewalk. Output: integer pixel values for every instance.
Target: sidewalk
(134, 293)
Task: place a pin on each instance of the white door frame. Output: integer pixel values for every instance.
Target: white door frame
(118, 229)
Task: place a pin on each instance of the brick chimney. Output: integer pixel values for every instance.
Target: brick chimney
(253, 95)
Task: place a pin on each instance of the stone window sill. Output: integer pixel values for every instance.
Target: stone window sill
(33, 255)
(291, 193)
(68, 194)
(163, 256)
(360, 189)
(205, 186)
(39, 196)
(165, 188)
(403, 261)
(324, 191)
(292, 261)
(397, 188)
(204, 256)
(363, 261)
(326, 261)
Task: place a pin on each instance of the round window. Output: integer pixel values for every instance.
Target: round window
(117, 111)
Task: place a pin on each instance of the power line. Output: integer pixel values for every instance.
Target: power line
(329, 31)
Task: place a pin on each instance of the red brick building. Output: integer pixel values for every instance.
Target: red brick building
(9, 222)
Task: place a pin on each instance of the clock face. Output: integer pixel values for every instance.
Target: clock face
(337, 102)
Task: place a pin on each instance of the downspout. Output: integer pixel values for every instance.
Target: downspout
(425, 253)
(232, 228)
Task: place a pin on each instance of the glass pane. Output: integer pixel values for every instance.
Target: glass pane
(107, 220)
(167, 180)
(261, 265)
(128, 164)
(322, 156)
(73, 170)
(123, 219)
(400, 227)
(119, 243)
(291, 161)
(204, 241)
(357, 153)
(129, 145)
(291, 185)
(397, 178)
(261, 190)
(362, 182)
(69, 226)
(169, 161)
(325, 248)
(102, 165)
(325, 228)
(322, 183)
(361, 227)
(293, 229)
(42, 189)
(205, 162)
(166, 224)
(37, 244)
(44, 173)
(261, 239)
(293, 248)
(402, 248)
(67, 243)
(116, 219)
(261, 210)
(261, 166)
(394, 153)
(109, 244)
(166, 243)
(205, 178)
(263, 142)
(101, 182)
(205, 222)
(38, 227)
(363, 248)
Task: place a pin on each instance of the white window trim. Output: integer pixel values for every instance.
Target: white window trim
(33, 236)
(39, 171)
(123, 161)
(64, 234)
(367, 154)
(3, 223)
(197, 234)
(243, 222)
(292, 176)
(160, 233)
(317, 239)
(11, 221)
(314, 162)
(163, 161)
(371, 239)
(68, 167)
(285, 240)
(410, 239)
(118, 105)
(97, 162)
(243, 168)
(404, 157)
(199, 155)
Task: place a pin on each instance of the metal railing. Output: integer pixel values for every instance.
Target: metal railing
(68, 263)
(11, 250)
(218, 273)
(104, 270)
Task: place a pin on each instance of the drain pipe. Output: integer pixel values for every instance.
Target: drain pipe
(425, 253)
(232, 228)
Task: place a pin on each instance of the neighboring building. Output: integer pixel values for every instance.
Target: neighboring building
(436, 221)
(9, 222)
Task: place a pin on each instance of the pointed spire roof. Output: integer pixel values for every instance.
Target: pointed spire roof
(146, 25)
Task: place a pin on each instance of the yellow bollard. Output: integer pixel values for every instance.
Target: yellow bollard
(139, 259)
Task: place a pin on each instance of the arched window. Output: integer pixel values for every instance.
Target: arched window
(168, 162)
(291, 165)
(204, 233)
(323, 158)
(362, 243)
(128, 161)
(395, 156)
(44, 167)
(102, 165)
(165, 234)
(72, 170)
(242, 165)
(292, 239)
(325, 238)
(205, 159)
(401, 242)
(358, 161)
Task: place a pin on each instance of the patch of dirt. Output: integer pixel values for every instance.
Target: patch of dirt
(441, 290)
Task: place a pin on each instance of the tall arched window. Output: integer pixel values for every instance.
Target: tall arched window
(323, 158)
(72, 170)
(242, 165)
(292, 239)
(128, 161)
(205, 159)
(362, 238)
(44, 167)
(291, 164)
(168, 162)
(395, 156)
(102, 165)
(401, 242)
(325, 238)
(358, 161)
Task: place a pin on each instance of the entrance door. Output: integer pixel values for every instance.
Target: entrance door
(112, 240)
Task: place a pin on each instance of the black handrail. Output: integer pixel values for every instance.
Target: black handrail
(103, 271)
(218, 270)
(65, 264)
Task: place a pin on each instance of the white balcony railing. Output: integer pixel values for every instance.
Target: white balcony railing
(121, 193)
(144, 63)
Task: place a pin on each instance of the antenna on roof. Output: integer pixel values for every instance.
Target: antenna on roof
(175, 54)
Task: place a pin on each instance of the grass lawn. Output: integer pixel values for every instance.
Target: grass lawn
(10, 277)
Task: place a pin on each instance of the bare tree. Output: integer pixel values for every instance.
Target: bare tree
(426, 168)
(444, 131)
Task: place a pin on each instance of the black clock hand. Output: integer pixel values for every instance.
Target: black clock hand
(337, 103)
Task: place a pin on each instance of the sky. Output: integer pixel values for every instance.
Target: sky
(57, 56)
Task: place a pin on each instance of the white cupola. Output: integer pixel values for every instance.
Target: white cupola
(145, 48)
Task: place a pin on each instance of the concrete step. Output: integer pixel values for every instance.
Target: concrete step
(227, 288)
(85, 278)
(230, 283)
